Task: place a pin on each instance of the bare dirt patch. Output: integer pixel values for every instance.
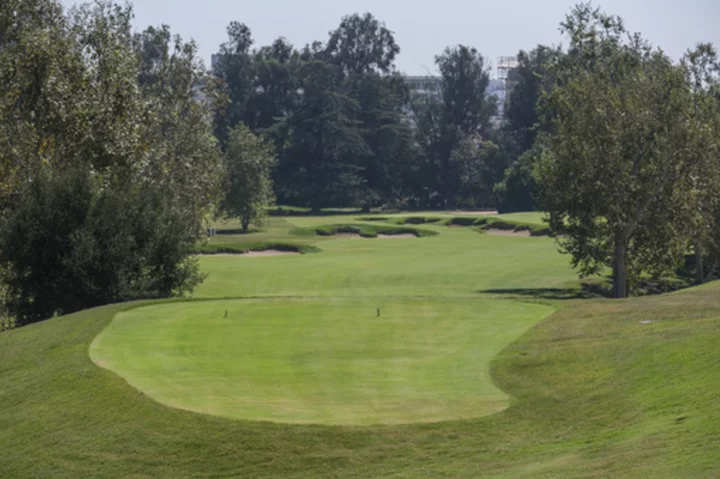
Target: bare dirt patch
(400, 236)
(497, 232)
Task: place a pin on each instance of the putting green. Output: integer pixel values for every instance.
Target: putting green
(320, 361)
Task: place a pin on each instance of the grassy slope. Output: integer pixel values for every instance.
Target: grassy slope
(319, 361)
(598, 394)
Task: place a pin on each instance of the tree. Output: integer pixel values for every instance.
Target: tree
(276, 87)
(529, 80)
(181, 157)
(615, 176)
(249, 187)
(517, 191)
(362, 45)
(703, 74)
(236, 70)
(319, 165)
(99, 126)
(364, 50)
(38, 69)
(460, 113)
(70, 244)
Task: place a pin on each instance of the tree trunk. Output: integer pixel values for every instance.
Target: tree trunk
(620, 278)
(699, 263)
(245, 222)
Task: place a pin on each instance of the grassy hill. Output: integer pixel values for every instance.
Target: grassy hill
(599, 388)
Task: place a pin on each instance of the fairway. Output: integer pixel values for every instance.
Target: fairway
(458, 262)
(318, 361)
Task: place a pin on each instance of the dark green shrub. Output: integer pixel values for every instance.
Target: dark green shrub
(462, 221)
(219, 248)
(420, 220)
(68, 244)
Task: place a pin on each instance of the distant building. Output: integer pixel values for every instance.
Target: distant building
(214, 59)
(505, 66)
(424, 85)
(428, 85)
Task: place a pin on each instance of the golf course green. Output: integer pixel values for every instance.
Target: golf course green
(318, 361)
(485, 361)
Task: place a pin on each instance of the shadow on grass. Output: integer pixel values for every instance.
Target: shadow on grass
(545, 293)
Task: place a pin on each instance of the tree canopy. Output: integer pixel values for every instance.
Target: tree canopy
(616, 174)
(108, 164)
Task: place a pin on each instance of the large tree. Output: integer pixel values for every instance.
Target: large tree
(703, 72)
(236, 69)
(318, 167)
(364, 50)
(529, 79)
(616, 174)
(276, 87)
(248, 189)
(457, 117)
(90, 109)
(361, 45)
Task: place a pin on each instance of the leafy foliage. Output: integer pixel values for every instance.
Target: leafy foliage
(450, 130)
(615, 177)
(249, 188)
(70, 244)
(96, 120)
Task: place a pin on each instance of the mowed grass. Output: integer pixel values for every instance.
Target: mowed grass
(458, 262)
(319, 361)
(598, 389)
(596, 393)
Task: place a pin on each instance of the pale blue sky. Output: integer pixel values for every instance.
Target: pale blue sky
(423, 28)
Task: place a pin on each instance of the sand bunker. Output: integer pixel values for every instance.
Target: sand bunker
(497, 232)
(256, 254)
(346, 235)
(400, 236)
(474, 213)
(269, 252)
(379, 236)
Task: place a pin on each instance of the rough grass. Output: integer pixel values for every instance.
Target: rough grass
(600, 389)
(597, 394)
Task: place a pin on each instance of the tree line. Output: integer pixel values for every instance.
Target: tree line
(108, 163)
(609, 136)
(117, 147)
(346, 128)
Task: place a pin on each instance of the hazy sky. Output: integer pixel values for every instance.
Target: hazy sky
(423, 28)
